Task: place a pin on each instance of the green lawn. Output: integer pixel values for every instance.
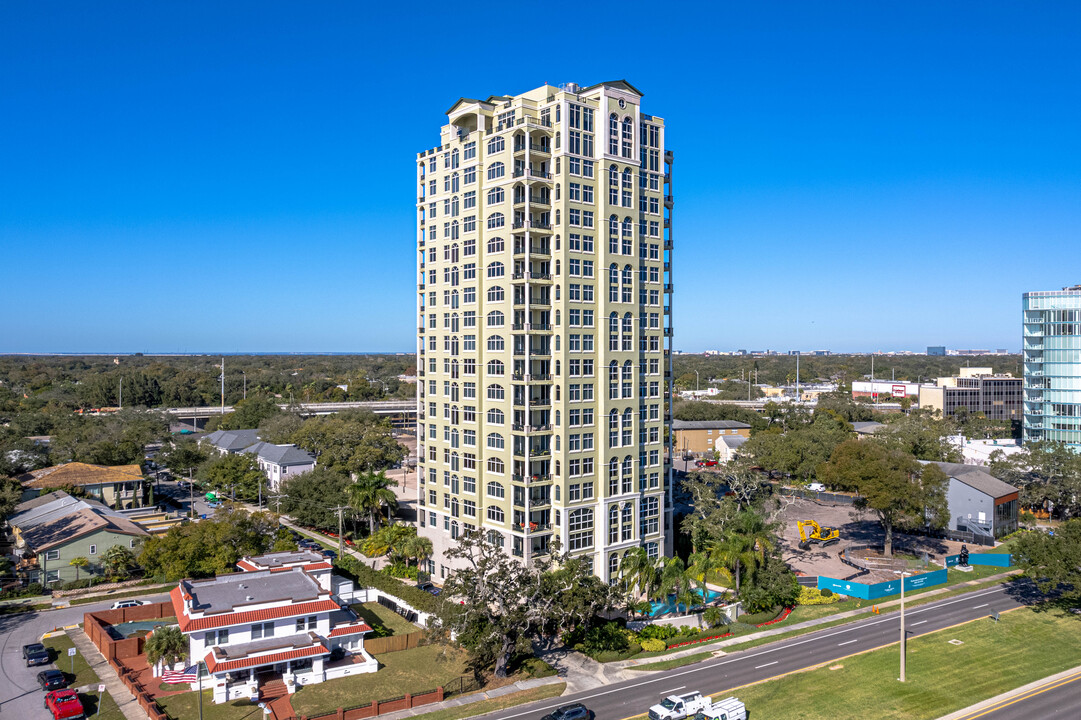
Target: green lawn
(1024, 646)
(677, 662)
(500, 703)
(409, 671)
(109, 709)
(378, 616)
(84, 674)
(186, 707)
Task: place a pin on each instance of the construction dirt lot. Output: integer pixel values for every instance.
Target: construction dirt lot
(856, 529)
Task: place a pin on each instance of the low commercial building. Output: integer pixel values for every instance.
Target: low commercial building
(998, 397)
(117, 486)
(697, 437)
(979, 503)
(52, 531)
(276, 620)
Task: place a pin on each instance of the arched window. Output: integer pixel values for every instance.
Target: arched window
(495, 343)
(495, 465)
(495, 145)
(496, 417)
(496, 245)
(613, 475)
(495, 196)
(628, 236)
(495, 490)
(613, 567)
(495, 294)
(495, 441)
(613, 234)
(454, 158)
(627, 190)
(628, 475)
(628, 385)
(495, 220)
(613, 185)
(496, 171)
(613, 525)
(628, 331)
(628, 137)
(496, 392)
(496, 269)
(495, 319)
(496, 514)
(613, 134)
(613, 380)
(496, 367)
(454, 188)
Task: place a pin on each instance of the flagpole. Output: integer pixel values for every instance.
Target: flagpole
(199, 675)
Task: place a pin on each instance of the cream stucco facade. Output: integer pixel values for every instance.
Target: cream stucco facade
(544, 333)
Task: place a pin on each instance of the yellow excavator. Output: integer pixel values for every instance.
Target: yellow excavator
(811, 532)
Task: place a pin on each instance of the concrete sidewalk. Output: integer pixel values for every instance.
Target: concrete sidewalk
(108, 677)
(460, 700)
(986, 705)
(782, 629)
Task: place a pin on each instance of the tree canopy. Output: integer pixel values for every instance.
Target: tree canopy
(1053, 561)
(353, 442)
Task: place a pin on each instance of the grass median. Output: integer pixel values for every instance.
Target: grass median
(946, 671)
(672, 664)
(500, 703)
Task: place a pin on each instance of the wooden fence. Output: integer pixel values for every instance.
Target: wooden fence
(378, 707)
(393, 643)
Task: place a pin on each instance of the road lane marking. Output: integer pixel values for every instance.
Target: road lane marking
(666, 693)
(1023, 696)
(759, 667)
(921, 622)
(856, 625)
(980, 606)
(848, 642)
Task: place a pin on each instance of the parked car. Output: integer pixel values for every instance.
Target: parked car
(577, 711)
(329, 554)
(816, 487)
(64, 705)
(429, 588)
(705, 463)
(121, 604)
(52, 680)
(36, 654)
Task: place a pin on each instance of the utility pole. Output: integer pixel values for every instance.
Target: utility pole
(260, 493)
(903, 644)
(191, 494)
(341, 541)
(245, 374)
(697, 382)
(223, 386)
(277, 498)
(121, 393)
(797, 376)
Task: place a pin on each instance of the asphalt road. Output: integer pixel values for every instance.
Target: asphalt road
(1058, 699)
(720, 676)
(20, 696)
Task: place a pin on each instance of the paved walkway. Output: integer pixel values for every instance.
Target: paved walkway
(582, 672)
(460, 700)
(782, 628)
(115, 687)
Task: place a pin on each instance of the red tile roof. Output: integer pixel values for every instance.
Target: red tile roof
(250, 567)
(213, 666)
(190, 624)
(245, 565)
(350, 629)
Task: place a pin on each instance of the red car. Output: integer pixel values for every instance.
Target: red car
(64, 705)
(705, 463)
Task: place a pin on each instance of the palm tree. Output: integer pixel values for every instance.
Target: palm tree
(167, 645)
(677, 580)
(388, 540)
(369, 494)
(418, 548)
(747, 541)
(639, 571)
(118, 561)
(78, 562)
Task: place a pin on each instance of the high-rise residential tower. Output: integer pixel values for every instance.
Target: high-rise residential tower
(1052, 349)
(544, 337)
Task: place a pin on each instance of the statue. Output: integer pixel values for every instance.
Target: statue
(963, 560)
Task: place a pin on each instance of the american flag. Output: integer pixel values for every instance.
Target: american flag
(188, 674)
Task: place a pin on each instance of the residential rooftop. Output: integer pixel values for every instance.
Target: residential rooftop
(228, 592)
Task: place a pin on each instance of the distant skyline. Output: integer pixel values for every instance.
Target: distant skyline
(240, 177)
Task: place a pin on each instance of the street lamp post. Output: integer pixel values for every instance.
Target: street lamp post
(903, 637)
(697, 382)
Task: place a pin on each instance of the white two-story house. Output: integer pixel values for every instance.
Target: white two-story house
(275, 620)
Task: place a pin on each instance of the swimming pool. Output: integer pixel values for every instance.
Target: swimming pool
(126, 630)
(669, 604)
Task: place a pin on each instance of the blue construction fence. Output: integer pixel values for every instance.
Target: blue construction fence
(992, 559)
(883, 589)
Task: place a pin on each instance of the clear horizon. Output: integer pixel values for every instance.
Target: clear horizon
(242, 175)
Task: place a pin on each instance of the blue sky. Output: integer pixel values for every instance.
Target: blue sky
(187, 177)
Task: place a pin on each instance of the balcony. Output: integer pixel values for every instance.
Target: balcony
(535, 250)
(532, 277)
(530, 479)
(668, 287)
(536, 225)
(531, 174)
(535, 123)
(669, 201)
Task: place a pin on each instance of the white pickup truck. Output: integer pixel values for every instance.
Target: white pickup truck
(677, 707)
(727, 709)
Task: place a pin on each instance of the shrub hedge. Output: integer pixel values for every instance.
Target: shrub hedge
(364, 576)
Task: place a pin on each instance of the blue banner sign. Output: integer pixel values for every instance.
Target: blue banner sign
(992, 559)
(882, 589)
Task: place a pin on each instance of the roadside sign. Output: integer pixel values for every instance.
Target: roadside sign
(71, 652)
(898, 391)
(101, 688)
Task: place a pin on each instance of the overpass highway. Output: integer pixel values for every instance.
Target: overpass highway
(718, 677)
